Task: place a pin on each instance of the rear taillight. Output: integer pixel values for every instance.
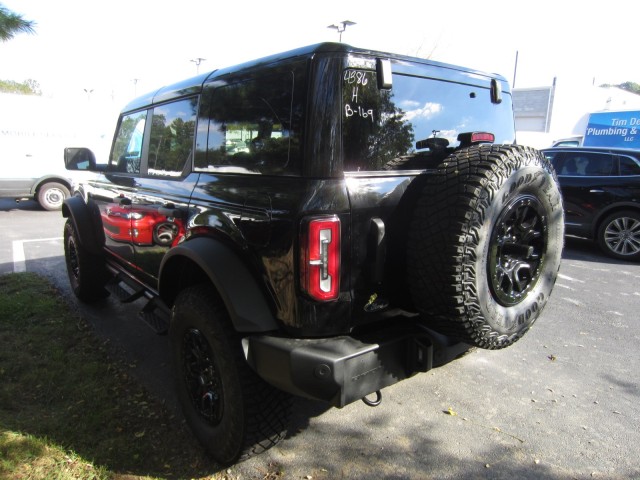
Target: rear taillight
(320, 260)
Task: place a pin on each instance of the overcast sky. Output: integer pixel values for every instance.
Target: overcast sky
(104, 45)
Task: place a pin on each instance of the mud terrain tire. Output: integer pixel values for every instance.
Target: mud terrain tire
(87, 272)
(485, 244)
(231, 411)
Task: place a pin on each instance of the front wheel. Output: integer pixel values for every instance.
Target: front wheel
(619, 235)
(87, 272)
(230, 410)
(485, 244)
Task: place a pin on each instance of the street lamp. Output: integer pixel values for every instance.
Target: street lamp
(341, 27)
(198, 61)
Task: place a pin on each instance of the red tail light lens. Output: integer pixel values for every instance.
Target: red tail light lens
(472, 138)
(482, 137)
(320, 262)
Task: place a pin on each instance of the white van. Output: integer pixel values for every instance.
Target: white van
(34, 132)
(575, 141)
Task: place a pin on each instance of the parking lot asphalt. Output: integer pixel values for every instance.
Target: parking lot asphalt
(564, 402)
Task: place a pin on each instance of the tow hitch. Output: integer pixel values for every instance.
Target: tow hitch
(373, 403)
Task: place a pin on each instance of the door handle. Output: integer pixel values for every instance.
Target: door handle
(596, 190)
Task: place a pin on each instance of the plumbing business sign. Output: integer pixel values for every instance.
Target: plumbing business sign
(613, 129)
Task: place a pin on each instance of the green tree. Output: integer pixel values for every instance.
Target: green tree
(11, 24)
(628, 86)
(28, 87)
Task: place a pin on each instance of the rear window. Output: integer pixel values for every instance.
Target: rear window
(382, 129)
(585, 164)
(629, 166)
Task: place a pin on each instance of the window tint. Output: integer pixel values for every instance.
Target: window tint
(127, 149)
(171, 137)
(382, 128)
(552, 157)
(254, 127)
(629, 166)
(587, 164)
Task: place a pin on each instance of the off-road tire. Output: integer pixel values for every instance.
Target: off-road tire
(231, 411)
(87, 272)
(51, 195)
(619, 235)
(485, 244)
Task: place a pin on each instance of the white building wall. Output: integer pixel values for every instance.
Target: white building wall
(568, 114)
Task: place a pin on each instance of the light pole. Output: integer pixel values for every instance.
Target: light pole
(198, 61)
(341, 27)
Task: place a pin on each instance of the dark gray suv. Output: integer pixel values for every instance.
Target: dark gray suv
(323, 222)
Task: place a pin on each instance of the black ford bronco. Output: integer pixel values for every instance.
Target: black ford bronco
(323, 223)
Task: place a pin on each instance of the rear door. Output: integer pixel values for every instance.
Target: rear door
(589, 182)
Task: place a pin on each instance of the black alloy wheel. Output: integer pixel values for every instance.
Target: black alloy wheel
(201, 377)
(517, 249)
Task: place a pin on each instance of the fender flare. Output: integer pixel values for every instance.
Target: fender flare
(90, 235)
(242, 296)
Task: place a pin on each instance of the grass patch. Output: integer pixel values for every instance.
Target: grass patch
(68, 407)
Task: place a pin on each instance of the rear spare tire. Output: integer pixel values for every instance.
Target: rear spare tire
(485, 243)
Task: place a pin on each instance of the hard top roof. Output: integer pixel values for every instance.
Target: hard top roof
(194, 85)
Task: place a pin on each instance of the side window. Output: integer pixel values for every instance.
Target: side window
(254, 127)
(171, 137)
(588, 164)
(127, 149)
(554, 158)
(629, 166)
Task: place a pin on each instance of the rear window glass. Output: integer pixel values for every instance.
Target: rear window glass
(629, 166)
(382, 128)
(586, 164)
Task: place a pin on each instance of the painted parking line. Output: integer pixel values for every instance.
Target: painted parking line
(19, 259)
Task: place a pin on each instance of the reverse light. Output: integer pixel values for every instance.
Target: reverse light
(320, 262)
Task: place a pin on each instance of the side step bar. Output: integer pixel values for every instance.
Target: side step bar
(155, 313)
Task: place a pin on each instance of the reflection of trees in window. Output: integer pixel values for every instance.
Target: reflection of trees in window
(171, 137)
(254, 125)
(123, 140)
(371, 142)
(170, 145)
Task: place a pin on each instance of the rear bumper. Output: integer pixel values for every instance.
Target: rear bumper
(341, 370)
